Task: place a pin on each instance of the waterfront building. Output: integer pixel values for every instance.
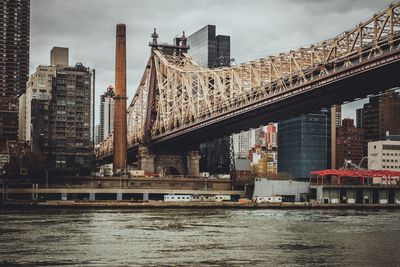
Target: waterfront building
(349, 143)
(107, 113)
(302, 144)
(14, 65)
(56, 114)
(384, 155)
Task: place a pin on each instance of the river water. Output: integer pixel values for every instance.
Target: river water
(54, 237)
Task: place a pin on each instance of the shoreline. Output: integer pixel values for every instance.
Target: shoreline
(186, 205)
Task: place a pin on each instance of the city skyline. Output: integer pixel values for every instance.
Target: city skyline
(93, 46)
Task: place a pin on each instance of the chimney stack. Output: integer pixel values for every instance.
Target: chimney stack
(120, 131)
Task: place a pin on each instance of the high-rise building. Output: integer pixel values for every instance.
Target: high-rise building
(334, 121)
(359, 117)
(271, 136)
(106, 113)
(244, 141)
(302, 144)
(56, 114)
(208, 49)
(14, 64)
(381, 115)
(349, 143)
(97, 134)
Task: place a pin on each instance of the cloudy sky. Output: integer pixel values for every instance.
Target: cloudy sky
(257, 28)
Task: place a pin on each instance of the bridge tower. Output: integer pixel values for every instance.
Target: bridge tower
(175, 160)
(120, 132)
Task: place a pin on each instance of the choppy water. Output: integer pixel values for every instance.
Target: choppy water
(199, 237)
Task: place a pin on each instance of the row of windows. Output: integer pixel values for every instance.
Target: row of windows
(390, 154)
(391, 147)
(392, 160)
(391, 167)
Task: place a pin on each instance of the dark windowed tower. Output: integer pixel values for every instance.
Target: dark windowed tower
(14, 64)
(208, 49)
(302, 144)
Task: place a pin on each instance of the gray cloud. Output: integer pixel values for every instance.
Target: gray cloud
(257, 28)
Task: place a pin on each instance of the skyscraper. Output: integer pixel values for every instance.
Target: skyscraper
(14, 64)
(381, 115)
(302, 144)
(106, 113)
(208, 49)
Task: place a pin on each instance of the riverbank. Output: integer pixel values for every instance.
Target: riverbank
(185, 205)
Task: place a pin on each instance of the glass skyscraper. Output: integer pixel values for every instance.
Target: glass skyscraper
(302, 144)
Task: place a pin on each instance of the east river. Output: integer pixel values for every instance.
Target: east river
(94, 237)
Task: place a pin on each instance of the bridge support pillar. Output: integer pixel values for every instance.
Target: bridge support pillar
(146, 160)
(193, 163)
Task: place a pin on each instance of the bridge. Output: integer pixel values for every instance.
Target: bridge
(179, 104)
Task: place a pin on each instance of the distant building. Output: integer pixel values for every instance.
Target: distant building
(359, 118)
(97, 134)
(264, 162)
(39, 87)
(302, 144)
(384, 155)
(334, 120)
(59, 56)
(14, 65)
(106, 113)
(271, 136)
(56, 115)
(380, 115)
(244, 141)
(349, 143)
(208, 49)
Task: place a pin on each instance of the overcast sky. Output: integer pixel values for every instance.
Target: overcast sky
(257, 28)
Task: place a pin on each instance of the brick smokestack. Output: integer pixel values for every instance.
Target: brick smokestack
(120, 139)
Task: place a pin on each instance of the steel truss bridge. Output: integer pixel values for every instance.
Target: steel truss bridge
(179, 103)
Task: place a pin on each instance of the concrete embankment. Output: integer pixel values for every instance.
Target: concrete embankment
(185, 205)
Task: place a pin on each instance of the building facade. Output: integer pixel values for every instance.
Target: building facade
(57, 114)
(208, 49)
(244, 141)
(271, 137)
(302, 144)
(384, 155)
(381, 115)
(359, 117)
(106, 113)
(349, 143)
(14, 64)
